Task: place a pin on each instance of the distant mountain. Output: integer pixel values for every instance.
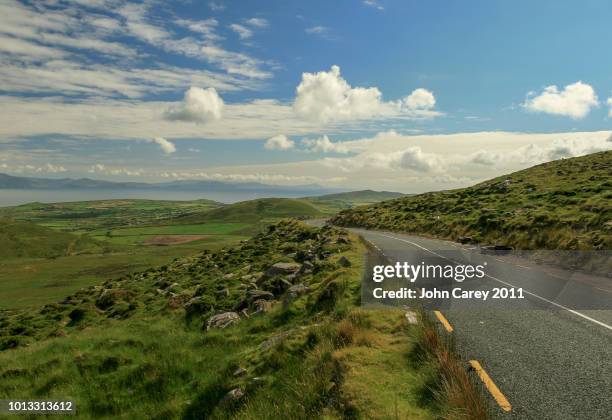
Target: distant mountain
(26, 183)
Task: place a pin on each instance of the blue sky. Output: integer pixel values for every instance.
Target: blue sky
(405, 95)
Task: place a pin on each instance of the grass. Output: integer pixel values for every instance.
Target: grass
(135, 347)
(560, 205)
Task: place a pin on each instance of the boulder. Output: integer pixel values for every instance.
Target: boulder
(222, 320)
(344, 262)
(465, 239)
(260, 294)
(297, 290)
(282, 269)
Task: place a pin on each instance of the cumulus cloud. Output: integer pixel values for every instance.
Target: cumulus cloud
(419, 99)
(280, 142)
(325, 145)
(165, 145)
(198, 105)
(560, 149)
(327, 97)
(574, 101)
(485, 158)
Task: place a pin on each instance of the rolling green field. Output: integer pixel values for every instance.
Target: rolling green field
(564, 204)
(52, 250)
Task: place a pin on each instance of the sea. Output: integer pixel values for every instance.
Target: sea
(10, 197)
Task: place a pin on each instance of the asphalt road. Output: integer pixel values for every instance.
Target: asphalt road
(550, 354)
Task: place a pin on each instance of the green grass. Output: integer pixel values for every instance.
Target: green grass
(25, 239)
(135, 347)
(331, 204)
(565, 204)
(91, 215)
(254, 211)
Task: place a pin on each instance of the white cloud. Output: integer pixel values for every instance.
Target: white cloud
(216, 6)
(419, 99)
(242, 31)
(257, 22)
(373, 3)
(198, 105)
(574, 101)
(279, 142)
(327, 97)
(101, 169)
(325, 145)
(317, 30)
(485, 158)
(207, 27)
(165, 145)
(610, 105)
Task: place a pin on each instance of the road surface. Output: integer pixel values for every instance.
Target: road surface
(550, 354)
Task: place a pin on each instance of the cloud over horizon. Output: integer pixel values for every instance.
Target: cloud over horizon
(575, 100)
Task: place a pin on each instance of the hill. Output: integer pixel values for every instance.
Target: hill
(253, 211)
(333, 203)
(564, 204)
(26, 239)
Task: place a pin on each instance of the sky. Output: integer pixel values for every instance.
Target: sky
(400, 95)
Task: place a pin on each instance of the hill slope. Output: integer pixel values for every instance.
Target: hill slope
(255, 210)
(333, 203)
(565, 204)
(26, 239)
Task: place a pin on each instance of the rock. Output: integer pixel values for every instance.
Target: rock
(263, 305)
(342, 240)
(411, 317)
(240, 372)
(465, 239)
(306, 268)
(222, 320)
(274, 340)
(282, 269)
(344, 262)
(232, 396)
(297, 290)
(228, 276)
(260, 294)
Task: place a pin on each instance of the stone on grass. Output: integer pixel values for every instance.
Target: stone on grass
(222, 320)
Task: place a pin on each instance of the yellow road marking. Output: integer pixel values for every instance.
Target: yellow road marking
(444, 321)
(493, 389)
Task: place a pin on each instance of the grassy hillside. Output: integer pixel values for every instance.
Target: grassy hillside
(253, 211)
(145, 345)
(105, 214)
(333, 203)
(24, 239)
(565, 204)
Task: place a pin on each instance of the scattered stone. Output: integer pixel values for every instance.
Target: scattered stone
(260, 294)
(232, 396)
(228, 276)
(240, 372)
(297, 290)
(411, 317)
(344, 262)
(306, 268)
(274, 340)
(465, 239)
(263, 306)
(222, 320)
(282, 269)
